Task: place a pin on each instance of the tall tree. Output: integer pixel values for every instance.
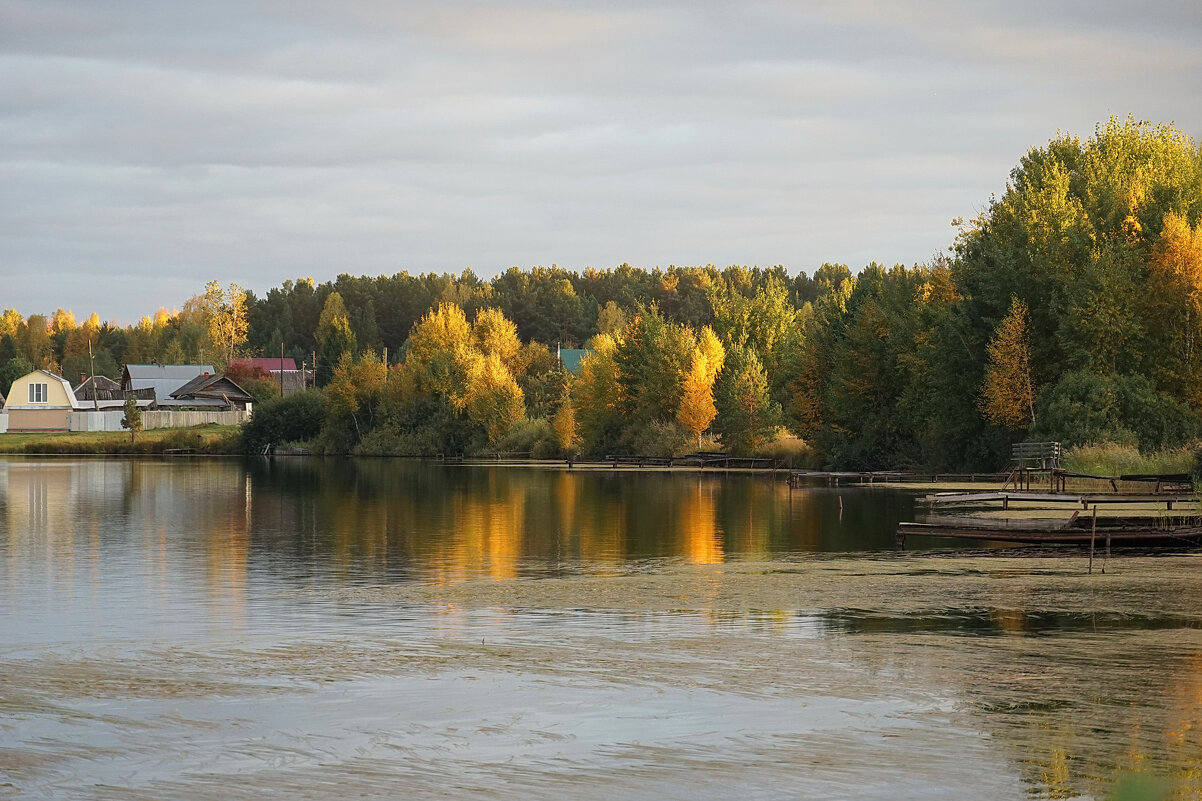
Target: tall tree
(225, 316)
(334, 338)
(1008, 396)
(697, 409)
(747, 417)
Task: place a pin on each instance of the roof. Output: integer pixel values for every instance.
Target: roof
(212, 387)
(570, 358)
(269, 363)
(98, 383)
(164, 379)
(155, 372)
(52, 377)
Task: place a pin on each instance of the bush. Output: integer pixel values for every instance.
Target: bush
(536, 437)
(664, 438)
(1084, 408)
(1118, 460)
(793, 449)
(426, 427)
(295, 418)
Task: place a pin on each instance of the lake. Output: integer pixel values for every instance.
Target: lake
(307, 628)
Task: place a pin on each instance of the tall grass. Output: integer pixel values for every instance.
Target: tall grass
(1116, 460)
(199, 439)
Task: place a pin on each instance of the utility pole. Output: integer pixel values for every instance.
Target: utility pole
(281, 368)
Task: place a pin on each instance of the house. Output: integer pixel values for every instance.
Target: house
(40, 401)
(570, 358)
(102, 393)
(164, 379)
(268, 364)
(215, 392)
(283, 371)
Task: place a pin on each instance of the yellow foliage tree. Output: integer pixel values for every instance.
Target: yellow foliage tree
(225, 318)
(564, 423)
(11, 321)
(1175, 270)
(356, 384)
(494, 399)
(697, 409)
(437, 353)
(1008, 395)
(494, 334)
(78, 339)
(62, 321)
(596, 391)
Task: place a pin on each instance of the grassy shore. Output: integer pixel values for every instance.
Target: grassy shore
(1119, 460)
(199, 439)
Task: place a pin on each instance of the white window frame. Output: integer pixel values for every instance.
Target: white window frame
(39, 393)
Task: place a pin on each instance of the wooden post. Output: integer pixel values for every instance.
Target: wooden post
(1093, 534)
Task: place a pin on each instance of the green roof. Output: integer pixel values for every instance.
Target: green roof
(570, 358)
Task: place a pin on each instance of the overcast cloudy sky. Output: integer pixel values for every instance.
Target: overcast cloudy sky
(147, 147)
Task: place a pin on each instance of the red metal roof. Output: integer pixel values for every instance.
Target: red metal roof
(268, 363)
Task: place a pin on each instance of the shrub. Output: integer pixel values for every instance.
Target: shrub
(664, 438)
(536, 437)
(793, 449)
(295, 418)
(1085, 408)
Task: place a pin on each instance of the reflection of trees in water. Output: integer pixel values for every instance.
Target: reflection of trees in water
(168, 509)
(1078, 711)
(390, 515)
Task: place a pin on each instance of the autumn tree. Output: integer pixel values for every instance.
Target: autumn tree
(1008, 395)
(747, 417)
(436, 351)
(564, 423)
(493, 400)
(334, 338)
(494, 334)
(11, 321)
(1174, 306)
(697, 408)
(225, 316)
(596, 393)
(356, 390)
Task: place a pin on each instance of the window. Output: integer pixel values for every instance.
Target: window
(39, 393)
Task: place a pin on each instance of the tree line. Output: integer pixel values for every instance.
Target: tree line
(1070, 309)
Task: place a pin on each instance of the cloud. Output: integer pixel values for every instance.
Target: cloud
(156, 146)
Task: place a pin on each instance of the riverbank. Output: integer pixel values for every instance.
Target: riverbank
(208, 439)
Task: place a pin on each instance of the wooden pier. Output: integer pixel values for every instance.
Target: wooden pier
(881, 478)
(1158, 518)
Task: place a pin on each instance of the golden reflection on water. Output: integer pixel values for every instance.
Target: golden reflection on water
(1067, 702)
(699, 528)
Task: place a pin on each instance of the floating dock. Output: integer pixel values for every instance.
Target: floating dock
(1169, 516)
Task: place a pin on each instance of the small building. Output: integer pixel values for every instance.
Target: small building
(288, 377)
(40, 401)
(101, 393)
(570, 358)
(164, 379)
(268, 364)
(212, 392)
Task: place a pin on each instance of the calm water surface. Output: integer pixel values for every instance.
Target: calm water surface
(319, 629)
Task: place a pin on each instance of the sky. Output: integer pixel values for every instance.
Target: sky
(149, 147)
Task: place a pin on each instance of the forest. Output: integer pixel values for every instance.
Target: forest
(1070, 310)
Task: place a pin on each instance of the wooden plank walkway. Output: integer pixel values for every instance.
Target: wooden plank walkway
(1147, 536)
(1083, 500)
(837, 478)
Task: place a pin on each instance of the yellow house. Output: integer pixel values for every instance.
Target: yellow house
(40, 401)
